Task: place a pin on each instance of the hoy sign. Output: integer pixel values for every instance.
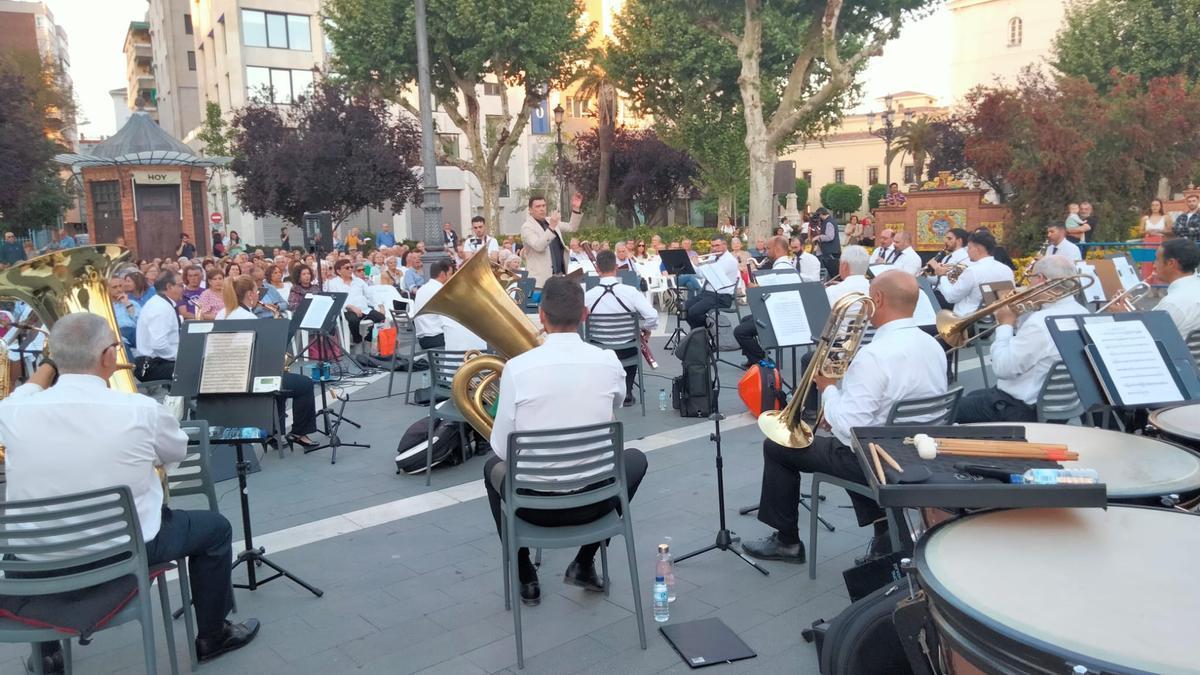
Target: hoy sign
(156, 177)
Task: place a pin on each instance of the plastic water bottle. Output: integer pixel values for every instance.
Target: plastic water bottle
(662, 400)
(662, 607)
(1058, 477)
(665, 568)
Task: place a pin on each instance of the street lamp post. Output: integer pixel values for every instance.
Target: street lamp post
(559, 169)
(887, 132)
(431, 203)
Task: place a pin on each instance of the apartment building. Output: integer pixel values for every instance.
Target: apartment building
(29, 28)
(174, 65)
(141, 92)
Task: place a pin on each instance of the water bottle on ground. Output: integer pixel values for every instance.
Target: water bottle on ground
(1058, 477)
(665, 568)
(662, 400)
(662, 607)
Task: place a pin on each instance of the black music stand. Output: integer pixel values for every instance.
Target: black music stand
(237, 410)
(677, 262)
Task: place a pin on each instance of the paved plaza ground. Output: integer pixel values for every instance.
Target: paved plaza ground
(412, 574)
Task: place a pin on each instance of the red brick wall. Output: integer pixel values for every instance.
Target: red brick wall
(124, 174)
(18, 32)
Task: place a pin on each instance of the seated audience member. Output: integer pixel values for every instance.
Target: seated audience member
(532, 393)
(901, 362)
(241, 296)
(357, 306)
(1021, 357)
(157, 335)
(125, 435)
(610, 296)
(413, 279)
(303, 284)
(193, 287)
(126, 311)
(1175, 264)
(212, 300)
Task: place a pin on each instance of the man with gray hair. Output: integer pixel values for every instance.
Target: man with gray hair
(1021, 359)
(67, 406)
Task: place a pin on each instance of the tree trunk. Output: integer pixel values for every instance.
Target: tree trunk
(606, 108)
(724, 206)
(762, 178)
(491, 202)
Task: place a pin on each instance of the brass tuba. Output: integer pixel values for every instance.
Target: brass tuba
(839, 342)
(475, 298)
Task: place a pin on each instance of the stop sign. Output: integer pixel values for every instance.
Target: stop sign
(216, 218)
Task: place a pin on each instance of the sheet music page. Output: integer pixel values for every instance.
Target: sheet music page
(1125, 272)
(880, 268)
(226, 367)
(788, 318)
(318, 309)
(712, 278)
(1095, 292)
(1138, 371)
(924, 314)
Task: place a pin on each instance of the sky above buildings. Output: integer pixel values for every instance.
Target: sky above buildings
(96, 30)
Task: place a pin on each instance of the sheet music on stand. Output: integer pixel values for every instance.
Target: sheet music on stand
(712, 278)
(1125, 272)
(1094, 292)
(318, 310)
(788, 318)
(1130, 364)
(778, 309)
(225, 368)
(926, 311)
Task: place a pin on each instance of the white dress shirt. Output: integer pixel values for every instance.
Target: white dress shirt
(564, 382)
(1022, 360)
(958, 255)
(965, 294)
(158, 329)
(902, 362)
(855, 283)
(809, 267)
(356, 292)
(1065, 248)
(883, 255)
(724, 269)
(909, 261)
(79, 435)
(239, 313)
(472, 244)
(1183, 304)
(427, 325)
(622, 299)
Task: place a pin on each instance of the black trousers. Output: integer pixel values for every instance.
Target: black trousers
(304, 402)
(830, 262)
(779, 503)
(354, 320)
(432, 341)
(493, 480)
(704, 302)
(146, 369)
(630, 371)
(746, 334)
(993, 405)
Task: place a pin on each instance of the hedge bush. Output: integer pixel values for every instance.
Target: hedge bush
(841, 198)
(875, 195)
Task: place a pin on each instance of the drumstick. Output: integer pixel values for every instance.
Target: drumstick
(929, 448)
(888, 458)
(878, 466)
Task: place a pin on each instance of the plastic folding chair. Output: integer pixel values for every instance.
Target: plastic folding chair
(443, 364)
(619, 331)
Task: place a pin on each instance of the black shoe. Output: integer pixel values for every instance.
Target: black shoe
(880, 546)
(233, 636)
(583, 576)
(303, 441)
(51, 664)
(531, 593)
(628, 402)
(771, 548)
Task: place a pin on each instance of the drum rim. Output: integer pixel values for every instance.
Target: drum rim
(1153, 419)
(952, 605)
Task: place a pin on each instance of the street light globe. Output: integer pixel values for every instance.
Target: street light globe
(558, 114)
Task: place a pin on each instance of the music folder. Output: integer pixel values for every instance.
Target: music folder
(814, 303)
(677, 262)
(706, 642)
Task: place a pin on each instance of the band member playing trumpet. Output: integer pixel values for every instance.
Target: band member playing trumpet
(725, 271)
(1056, 237)
(964, 293)
(901, 362)
(1176, 265)
(746, 332)
(1021, 358)
(807, 264)
(610, 296)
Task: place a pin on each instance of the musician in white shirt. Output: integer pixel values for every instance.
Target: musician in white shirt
(610, 296)
(965, 294)
(534, 395)
(907, 260)
(76, 434)
(722, 266)
(901, 362)
(431, 328)
(746, 332)
(885, 251)
(357, 306)
(480, 239)
(852, 270)
(1056, 234)
(807, 264)
(1176, 264)
(158, 330)
(1021, 357)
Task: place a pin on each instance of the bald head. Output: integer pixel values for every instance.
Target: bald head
(895, 295)
(777, 247)
(884, 238)
(903, 240)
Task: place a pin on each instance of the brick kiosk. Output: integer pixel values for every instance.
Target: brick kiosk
(145, 187)
(929, 214)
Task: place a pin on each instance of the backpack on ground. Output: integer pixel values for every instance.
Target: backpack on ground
(862, 640)
(761, 388)
(726, 342)
(692, 392)
(410, 452)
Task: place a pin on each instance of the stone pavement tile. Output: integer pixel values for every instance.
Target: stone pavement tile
(392, 640)
(332, 660)
(300, 640)
(570, 656)
(631, 660)
(413, 656)
(456, 666)
(386, 611)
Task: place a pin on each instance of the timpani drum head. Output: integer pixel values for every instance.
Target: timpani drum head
(1181, 421)
(1133, 468)
(1114, 590)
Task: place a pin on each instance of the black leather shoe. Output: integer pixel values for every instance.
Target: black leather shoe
(531, 593)
(302, 441)
(583, 576)
(628, 402)
(233, 636)
(771, 548)
(881, 545)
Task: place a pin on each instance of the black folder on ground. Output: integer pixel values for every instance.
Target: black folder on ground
(706, 642)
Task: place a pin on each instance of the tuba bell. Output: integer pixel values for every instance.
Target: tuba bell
(475, 298)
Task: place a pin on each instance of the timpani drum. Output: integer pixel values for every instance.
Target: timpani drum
(1180, 423)
(1047, 590)
(1134, 469)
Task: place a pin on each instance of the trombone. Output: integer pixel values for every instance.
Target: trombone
(953, 329)
(1126, 300)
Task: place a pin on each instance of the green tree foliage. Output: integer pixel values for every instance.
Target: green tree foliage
(328, 152)
(1147, 38)
(875, 195)
(946, 150)
(715, 140)
(533, 45)
(215, 136)
(916, 138)
(789, 65)
(36, 108)
(841, 198)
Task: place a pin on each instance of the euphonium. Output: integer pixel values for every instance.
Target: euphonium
(475, 298)
(953, 329)
(839, 342)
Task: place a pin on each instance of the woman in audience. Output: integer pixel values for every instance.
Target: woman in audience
(193, 278)
(212, 300)
(303, 283)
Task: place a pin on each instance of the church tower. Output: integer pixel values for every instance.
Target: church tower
(993, 39)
